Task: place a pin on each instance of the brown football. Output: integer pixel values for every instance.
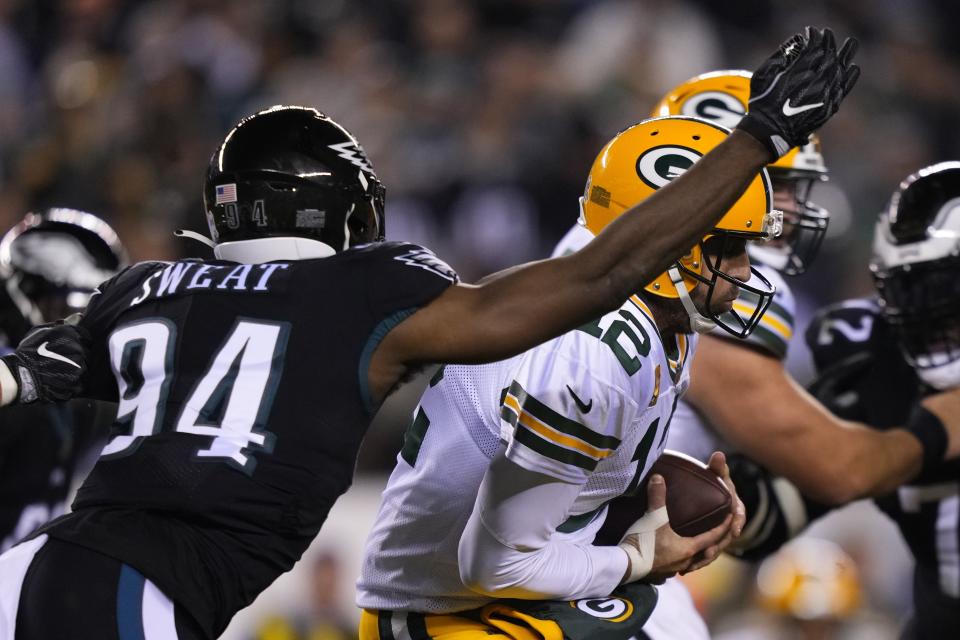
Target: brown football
(697, 499)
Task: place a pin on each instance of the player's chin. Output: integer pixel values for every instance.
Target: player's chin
(721, 306)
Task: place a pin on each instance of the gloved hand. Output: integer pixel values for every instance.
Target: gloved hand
(48, 364)
(798, 88)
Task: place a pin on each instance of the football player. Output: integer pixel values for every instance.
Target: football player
(876, 356)
(50, 264)
(245, 383)
(788, 434)
(541, 442)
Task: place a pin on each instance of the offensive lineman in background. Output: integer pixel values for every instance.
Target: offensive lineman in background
(774, 421)
(50, 264)
(541, 442)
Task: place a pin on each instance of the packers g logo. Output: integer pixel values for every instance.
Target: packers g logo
(658, 166)
(611, 609)
(720, 107)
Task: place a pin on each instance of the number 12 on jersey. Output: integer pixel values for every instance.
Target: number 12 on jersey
(230, 402)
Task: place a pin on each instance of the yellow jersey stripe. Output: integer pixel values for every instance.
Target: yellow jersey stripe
(547, 432)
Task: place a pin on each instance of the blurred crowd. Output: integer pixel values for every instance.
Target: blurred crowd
(481, 117)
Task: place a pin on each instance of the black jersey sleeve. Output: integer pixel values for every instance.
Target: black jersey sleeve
(858, 362)
(99, 318)
(405, 277)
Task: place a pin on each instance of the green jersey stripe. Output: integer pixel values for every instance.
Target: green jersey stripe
(549, 450)
(560, 423)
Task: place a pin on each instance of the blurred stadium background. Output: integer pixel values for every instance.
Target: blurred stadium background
(482, 118)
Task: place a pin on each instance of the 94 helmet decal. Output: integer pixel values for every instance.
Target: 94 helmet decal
(660, 165)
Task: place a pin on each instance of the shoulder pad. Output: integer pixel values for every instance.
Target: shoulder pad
(412, 255)
(845, 330)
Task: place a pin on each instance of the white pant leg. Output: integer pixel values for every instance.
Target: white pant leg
(675, 617)
(13, 568)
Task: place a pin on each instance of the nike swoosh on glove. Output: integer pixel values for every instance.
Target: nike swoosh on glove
(49, 363)
(799, 88)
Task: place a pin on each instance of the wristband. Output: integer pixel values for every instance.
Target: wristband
(929, 430)
(641, 550)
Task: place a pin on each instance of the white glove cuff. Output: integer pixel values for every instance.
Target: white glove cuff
(640, 549)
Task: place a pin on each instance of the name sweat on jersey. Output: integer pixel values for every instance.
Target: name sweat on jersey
(243, 396)
(591, 408)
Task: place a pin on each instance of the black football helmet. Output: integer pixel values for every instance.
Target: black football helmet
(916, 268)
(50, 264)
(292, 171)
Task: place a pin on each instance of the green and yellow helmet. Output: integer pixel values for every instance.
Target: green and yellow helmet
(646, 156)
(723, 97)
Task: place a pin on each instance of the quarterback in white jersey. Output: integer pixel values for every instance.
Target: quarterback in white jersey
(774, 421)
(501, 504)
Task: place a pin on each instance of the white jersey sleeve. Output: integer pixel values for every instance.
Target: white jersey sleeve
(510, 548)
(570, 403)
(575, 239)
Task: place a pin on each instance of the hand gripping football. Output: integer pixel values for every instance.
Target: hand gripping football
(697, 499)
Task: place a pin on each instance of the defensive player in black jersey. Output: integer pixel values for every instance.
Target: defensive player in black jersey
(875, 357)
(246, 382)
(50, 264)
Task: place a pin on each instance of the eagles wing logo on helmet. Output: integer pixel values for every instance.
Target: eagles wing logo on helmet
(720, 107)
(660, 165)
(352, 153)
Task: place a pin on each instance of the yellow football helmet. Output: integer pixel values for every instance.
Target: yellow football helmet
(646, 156)
(722, 96)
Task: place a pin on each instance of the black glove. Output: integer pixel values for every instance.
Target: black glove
(798, 88)
(49, 363)
(776, 511)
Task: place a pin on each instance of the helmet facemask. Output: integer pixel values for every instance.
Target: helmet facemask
(916, 268)
(804, 225)
(921, 302)
(714, 250)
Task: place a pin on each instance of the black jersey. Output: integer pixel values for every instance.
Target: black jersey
(41, 446)
(243, 397)
(864, 377)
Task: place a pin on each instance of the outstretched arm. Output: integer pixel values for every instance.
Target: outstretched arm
(781, 426)
(525, 306)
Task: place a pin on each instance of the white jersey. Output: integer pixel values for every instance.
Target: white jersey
(675, 617)
(589, 408)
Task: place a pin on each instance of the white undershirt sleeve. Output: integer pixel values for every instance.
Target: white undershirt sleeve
(8, 386)
(509, 548)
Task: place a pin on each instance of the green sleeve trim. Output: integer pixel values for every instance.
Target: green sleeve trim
(413, 438)
(576, 523)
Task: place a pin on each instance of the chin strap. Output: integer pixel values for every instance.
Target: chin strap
(193, 235)
(698, 322)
